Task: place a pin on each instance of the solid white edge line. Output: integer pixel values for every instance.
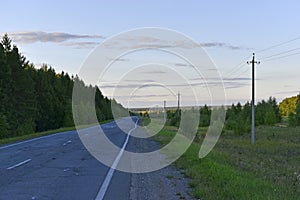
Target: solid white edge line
(39, 138)
(34, 139)
(19, 164)
(111, 171)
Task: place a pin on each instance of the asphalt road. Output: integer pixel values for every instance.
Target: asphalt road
(59, 167)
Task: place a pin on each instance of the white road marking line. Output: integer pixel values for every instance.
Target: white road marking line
(39, 138)
(34, 139)
(42, 137)
(19, 164)
(69, 141)
(111, 171)
(67, 169)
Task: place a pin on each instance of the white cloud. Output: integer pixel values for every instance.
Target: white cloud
(29, 37)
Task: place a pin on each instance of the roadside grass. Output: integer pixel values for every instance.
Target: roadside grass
(44, 133)
(146, 121)
(235, 169)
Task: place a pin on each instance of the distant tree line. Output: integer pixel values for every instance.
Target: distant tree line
(39, 99)
(173, 117)
(238, 117)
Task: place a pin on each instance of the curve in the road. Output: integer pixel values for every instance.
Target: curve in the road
(111, 171)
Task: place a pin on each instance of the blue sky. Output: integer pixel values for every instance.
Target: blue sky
(251, 26)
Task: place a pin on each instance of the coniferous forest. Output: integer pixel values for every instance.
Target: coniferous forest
(34, 100)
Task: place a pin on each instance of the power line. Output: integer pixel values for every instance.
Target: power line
(240, 74)
(234, 74)
(237, 67)
(278, 54)
(281, 57)
(237, 70)
(277, 45)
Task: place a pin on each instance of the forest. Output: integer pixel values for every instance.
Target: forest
(35, 100)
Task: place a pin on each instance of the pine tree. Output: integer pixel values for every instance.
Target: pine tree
(5, 88)
(22, 95)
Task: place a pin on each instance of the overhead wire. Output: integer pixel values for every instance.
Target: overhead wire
(281, 53)
(237, 72)
(240, 74)
(280, 57)
(277, 45)
(237, 68)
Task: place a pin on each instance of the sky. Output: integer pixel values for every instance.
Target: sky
(64, 34)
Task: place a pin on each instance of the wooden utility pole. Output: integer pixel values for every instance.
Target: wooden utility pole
(253, 62)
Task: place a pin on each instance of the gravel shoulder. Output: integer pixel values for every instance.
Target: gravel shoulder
(168, 183)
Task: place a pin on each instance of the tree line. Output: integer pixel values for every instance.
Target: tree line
(290, 109)
(173, 116)
(34, 100)
(238, 116)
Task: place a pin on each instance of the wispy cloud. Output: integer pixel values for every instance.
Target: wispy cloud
(61, 38)
(142, 96)
(140, 81)
(29, 37)
(182, 65)
(221, 45)
(154, 72)
(119, 59)
(80, 45)
(238, 79)
(137, 42)
(41, 36)
(204, 84)
(120, 86)
(227, 79)
(233, 85)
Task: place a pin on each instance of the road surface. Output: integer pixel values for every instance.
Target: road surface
(59, 167)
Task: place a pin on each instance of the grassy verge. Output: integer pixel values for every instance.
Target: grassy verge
(44, 133)
(235, 169)
(146, 121)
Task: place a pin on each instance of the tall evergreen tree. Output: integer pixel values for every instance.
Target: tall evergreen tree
(41, 99)
(4, 94)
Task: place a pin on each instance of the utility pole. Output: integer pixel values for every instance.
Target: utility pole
(178, 104)
(253, 62)
(165, 103)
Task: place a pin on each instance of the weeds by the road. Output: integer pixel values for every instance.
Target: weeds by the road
(235, 169)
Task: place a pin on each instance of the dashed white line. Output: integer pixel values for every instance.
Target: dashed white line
(111, 171)
(67, 142)
(19, 164)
